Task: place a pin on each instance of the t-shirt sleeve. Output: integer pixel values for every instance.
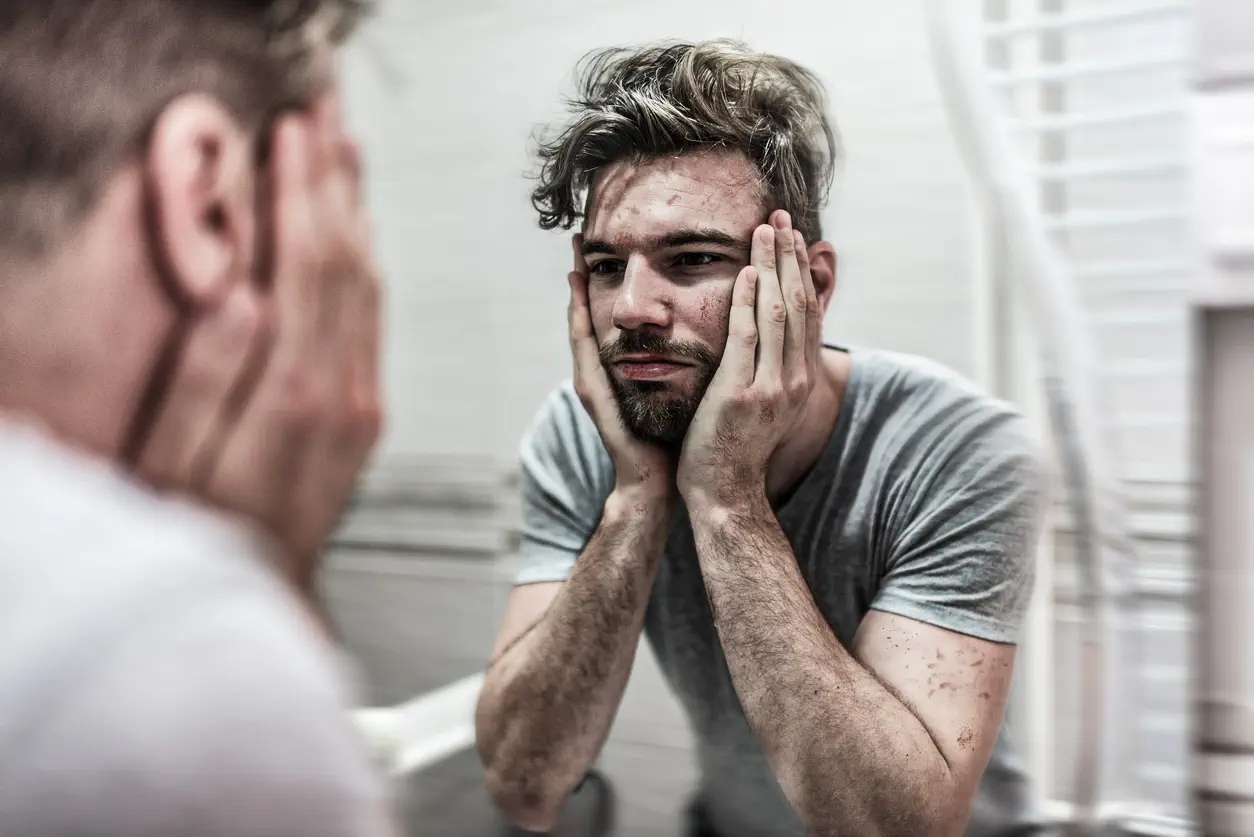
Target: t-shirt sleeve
(220, 719)
(964, 532)
(565, 477)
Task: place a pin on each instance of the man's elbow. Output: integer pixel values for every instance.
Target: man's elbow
(938, 813)
(526, 802)
(526, 793)
(898, 821)
(932, 811)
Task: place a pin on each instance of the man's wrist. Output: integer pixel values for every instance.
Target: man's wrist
(727, 503)
(726, 524)
(639, 501)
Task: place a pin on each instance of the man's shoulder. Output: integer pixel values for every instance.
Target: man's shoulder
(75, 522)
(563, 431)
(910, 376)
(90, 559)
(922, 389)
(927, 410)
(562, 407)
(208, 697)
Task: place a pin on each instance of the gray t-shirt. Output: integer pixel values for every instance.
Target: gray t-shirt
(926, 502)
(156, 677)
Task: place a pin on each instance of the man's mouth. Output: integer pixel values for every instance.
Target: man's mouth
(647, 367)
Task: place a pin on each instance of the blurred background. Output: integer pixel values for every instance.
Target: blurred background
(1094, 96)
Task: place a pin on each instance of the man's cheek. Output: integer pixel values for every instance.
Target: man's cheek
(712, 311)
(601, 310)
(707, 308)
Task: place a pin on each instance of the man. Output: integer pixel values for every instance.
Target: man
(829, 550)
(188, 392)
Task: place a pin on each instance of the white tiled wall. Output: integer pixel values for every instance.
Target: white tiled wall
(445, 98)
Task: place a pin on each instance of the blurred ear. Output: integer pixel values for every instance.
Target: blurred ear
(200, 180)
(823, 271)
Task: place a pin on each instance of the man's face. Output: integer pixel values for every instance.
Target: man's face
(664, 240)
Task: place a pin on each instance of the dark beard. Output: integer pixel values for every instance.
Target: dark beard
(652, 411)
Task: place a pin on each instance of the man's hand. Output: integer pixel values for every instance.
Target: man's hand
(274, 408)
(639, 467)
(768, 369)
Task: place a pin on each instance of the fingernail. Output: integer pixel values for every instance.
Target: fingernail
(768, 235)
(783, 220)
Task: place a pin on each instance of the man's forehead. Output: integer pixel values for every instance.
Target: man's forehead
(638, 203)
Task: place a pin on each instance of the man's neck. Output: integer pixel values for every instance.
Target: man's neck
(797, 455)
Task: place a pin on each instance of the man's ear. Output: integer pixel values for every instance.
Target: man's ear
(823, 271)
(200, 180)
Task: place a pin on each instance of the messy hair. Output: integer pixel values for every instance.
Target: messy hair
(673, 98)
(82, 83)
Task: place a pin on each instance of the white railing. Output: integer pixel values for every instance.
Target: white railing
(1064, 22)
(1074, 72)
(1035, 81)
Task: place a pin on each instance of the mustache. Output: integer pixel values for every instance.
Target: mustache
(649, 342)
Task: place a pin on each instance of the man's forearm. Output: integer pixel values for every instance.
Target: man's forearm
(549, 699)
(850, 756)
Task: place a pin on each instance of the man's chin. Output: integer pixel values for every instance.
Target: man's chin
(659, 411)
(659, 418)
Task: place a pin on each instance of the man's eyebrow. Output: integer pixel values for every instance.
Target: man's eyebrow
(678, 238)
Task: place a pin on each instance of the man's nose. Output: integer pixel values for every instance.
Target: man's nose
(643, 297)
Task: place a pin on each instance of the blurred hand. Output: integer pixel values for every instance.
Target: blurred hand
(274, 408)
(639, 467)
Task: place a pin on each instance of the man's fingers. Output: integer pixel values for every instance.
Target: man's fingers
(337, 374)
(368, 342)
(792, 289)
(814, 316)
(591, 380)
(771, 313)
(583, 343)
(295, 259)
(739, 356)
(583, 339)
(581, 263)
(577, 313)
(255, 455)
(210, 368)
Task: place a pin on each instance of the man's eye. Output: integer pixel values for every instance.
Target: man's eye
(606, 267)
(698, 259)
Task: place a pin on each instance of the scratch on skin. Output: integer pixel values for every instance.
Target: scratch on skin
(966, 739)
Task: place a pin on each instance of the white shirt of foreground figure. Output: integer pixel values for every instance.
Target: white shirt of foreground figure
(156, 677)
